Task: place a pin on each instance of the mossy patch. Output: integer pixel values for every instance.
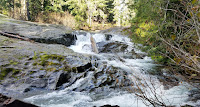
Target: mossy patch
(6, 41)
(52, 56)
(51, 69)
(13, 62)
(45, 59)
(49, 62)
(6, 71)
(31, 72)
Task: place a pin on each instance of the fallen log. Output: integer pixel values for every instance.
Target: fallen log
(94, 45)
(13, 35)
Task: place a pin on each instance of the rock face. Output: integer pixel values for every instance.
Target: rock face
(29, 67)
(11, 102)
(65, 39)
(31, 29)
(42, 33)
(103, 79)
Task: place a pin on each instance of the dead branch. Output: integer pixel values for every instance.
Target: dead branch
(11, 35)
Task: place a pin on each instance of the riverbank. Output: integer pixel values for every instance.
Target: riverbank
(49, 72)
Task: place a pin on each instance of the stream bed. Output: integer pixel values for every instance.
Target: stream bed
(98, 87)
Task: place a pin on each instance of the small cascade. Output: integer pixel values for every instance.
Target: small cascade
(116, 52)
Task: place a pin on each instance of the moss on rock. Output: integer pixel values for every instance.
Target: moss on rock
(6, 71)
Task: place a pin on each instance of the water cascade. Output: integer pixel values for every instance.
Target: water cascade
(119, 52)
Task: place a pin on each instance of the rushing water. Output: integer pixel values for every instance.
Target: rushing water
(67, 98)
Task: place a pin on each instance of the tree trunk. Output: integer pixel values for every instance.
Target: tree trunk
(28, 13)
(23, 9)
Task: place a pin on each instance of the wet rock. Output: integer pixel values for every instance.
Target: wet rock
(194, 95)
(63, 78)
(103, 79)
(65, 39)
(11, 102)
(108, 37)
(111, 47)
(80, 33)
(187, 105)
(84, 68)
(120, 48)
(165, 76)
(39, 83)
(110, 105)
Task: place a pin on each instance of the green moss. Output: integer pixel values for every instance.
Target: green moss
(43, 63)
(13, 62)
(51, 69)
(41, 68)
(26, 63)
(74, 69)
(6, 71)
(52, 63)
(5, 65)
(31, 72)
(44, 59)
(52, 56)
(16, 71)
(35, 56)
(35, 63)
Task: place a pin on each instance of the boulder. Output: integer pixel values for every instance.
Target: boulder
(65, 39)
(108, 37)
(111, 47)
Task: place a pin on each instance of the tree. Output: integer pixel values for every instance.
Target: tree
(34, 8)
(78, 9)
(6, 5)
(170, 33)
(122, 13)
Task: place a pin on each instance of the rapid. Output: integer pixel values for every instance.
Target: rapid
(118, 51)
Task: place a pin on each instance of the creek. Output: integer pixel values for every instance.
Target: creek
(131, 69)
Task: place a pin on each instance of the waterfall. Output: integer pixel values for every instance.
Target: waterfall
(137, 66)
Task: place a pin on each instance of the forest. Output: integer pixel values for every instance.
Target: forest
(73, 13)
(167, 30)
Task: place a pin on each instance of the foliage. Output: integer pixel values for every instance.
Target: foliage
(6, 5)
(169, 30)
(123, 11)
(86, 12)
(34, 8)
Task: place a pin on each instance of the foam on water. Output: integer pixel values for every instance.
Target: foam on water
(174, 96)
(67, 98)
(83, 44)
